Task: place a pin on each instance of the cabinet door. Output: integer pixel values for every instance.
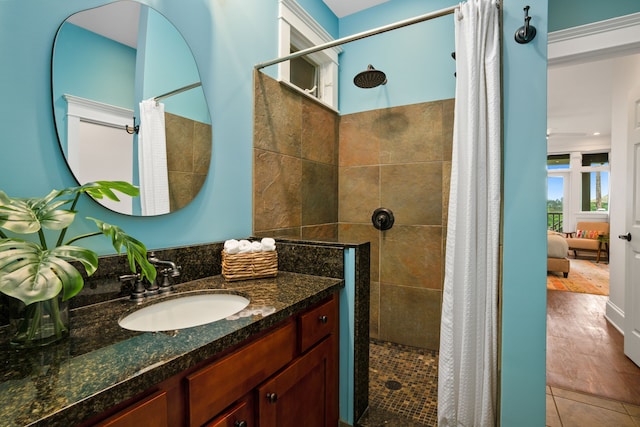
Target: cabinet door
(213, 388)
(303, 394)
(240, 415)
(151, 411)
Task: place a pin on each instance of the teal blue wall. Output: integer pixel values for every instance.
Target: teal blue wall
(417, 59)
(322, 14)
(571, 13)
(223, 39)
(169, 65)
(227, 39)
(523, 293)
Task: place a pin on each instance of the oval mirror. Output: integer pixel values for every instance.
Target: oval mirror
(129, 106)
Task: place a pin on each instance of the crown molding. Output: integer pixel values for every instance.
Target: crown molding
(598, 40)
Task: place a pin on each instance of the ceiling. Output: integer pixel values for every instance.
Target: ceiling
(342, 8)
(117, 21)
(579, 100)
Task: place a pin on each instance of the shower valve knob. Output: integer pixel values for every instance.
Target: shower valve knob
(382, 219)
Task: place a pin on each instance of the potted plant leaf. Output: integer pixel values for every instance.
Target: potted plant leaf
(39, 271)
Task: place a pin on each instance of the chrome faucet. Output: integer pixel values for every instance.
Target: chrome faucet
(170, 269)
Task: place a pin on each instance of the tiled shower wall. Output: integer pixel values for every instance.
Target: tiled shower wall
(320, 176)
(188, 157)
(295, 164)
(399, 158)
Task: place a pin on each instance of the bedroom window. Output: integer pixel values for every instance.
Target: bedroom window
(595, 182)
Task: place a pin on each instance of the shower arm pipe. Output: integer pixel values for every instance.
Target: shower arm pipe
(362, 35)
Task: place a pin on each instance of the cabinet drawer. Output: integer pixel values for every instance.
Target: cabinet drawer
(151, 411)
(215, 387)
(240, 415)
(318, 323)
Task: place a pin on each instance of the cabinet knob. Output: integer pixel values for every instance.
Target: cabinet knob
(323, 319)
(272, 397)
(240, 424)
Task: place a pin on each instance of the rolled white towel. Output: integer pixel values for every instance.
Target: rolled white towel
(232, 246)
(256, 247)
(268, 244)
(244, 246)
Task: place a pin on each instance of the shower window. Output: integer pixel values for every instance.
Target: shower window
(315, 74)
(304, 74)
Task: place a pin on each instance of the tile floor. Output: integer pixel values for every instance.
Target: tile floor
(403, 393)
(567, 408)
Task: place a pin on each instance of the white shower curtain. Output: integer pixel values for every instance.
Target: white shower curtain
(468, 363)
(152, 159)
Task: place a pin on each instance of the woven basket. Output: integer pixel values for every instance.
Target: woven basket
(253, 265)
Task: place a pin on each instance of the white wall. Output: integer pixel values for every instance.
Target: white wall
(627, 71)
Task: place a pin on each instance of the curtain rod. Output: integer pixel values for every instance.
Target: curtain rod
(177, 91)
(362, 35)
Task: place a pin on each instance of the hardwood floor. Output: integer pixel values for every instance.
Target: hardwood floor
(584, 352)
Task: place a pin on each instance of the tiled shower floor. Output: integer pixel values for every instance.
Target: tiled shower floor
(403, 386)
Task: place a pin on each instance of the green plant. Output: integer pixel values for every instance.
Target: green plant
(37, 271)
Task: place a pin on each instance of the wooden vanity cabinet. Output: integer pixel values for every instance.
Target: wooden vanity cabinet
(301, 395)
(242, 414)
(291, 374)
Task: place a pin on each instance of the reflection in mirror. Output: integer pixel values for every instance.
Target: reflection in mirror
(129, 106)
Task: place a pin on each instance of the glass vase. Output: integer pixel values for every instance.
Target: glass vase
(39, 323)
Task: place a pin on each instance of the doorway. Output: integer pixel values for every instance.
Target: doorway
(577, 59)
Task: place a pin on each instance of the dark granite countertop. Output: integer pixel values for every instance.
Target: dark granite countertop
(101, 364)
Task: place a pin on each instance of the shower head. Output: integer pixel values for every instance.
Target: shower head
(370, 78)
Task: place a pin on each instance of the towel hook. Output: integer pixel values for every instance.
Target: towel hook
(134, 129)
(527, 32)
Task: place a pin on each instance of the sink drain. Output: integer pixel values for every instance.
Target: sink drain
(393, 385)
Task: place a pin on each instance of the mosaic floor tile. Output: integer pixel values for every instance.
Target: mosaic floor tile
(403, 386)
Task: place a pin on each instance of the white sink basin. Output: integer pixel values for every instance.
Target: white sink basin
(184, 312)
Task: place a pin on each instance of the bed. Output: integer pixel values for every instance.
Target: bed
(557, 249)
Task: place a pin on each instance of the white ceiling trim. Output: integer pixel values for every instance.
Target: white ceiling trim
(599, 40)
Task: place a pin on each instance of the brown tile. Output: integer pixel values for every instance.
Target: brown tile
(403, 386)
(577, 414)
(553, 419)
(448, 107)
(181, 189)
(633, 410)
(202, 144)
(413, 192)
(359, 141)
(411, 256)
(364, 233)
(410, 316)
(277, 198)
(290, 233)
(410, 133)
(589, 399)
(277, 117)
(319, 133)
(446, 187)
(319, 189)
(325, 232)
(358, 193)
(179, 137)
